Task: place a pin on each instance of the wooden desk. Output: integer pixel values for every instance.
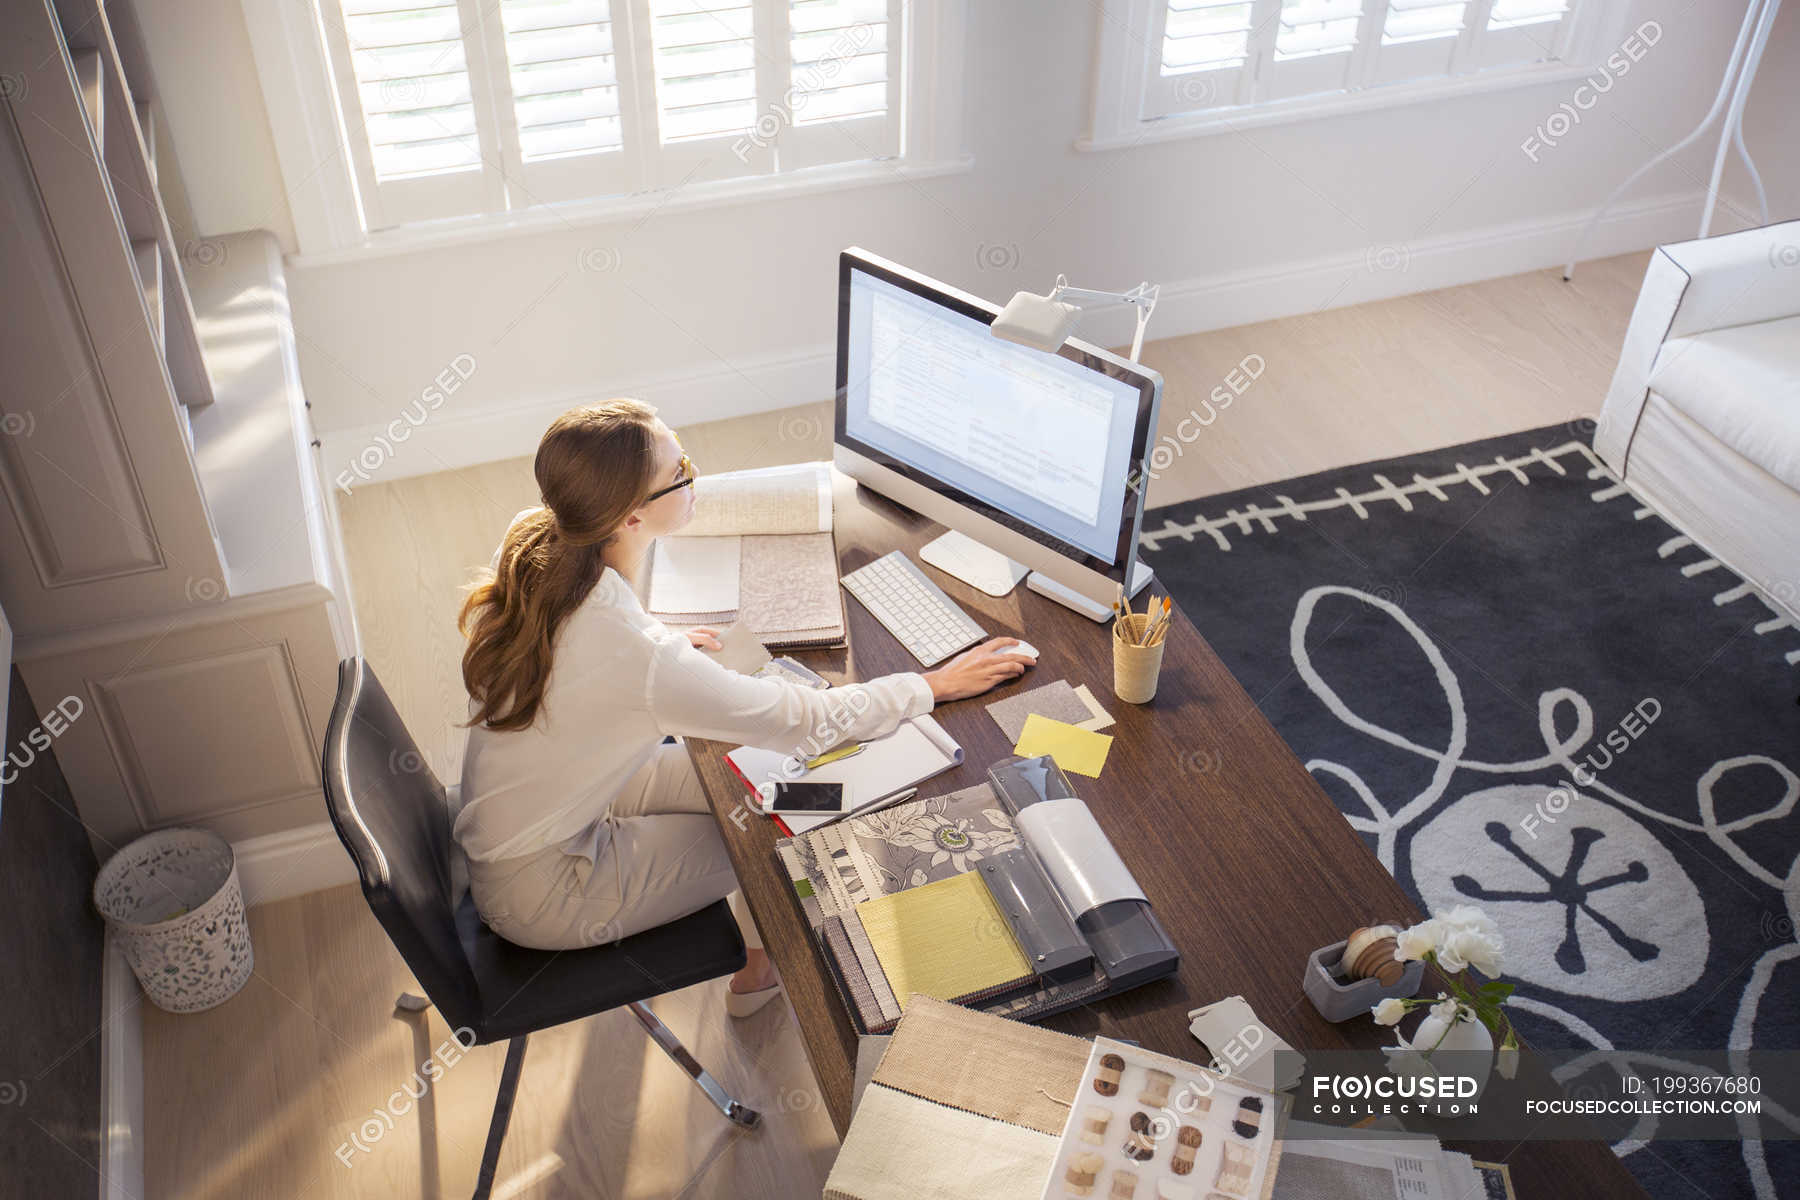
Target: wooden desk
(1249, 864)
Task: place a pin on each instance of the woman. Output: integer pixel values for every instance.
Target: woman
(581, 825)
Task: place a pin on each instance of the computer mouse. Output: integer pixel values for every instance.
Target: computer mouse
(1026, 648)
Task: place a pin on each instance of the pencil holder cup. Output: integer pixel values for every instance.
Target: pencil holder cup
(1135, 667)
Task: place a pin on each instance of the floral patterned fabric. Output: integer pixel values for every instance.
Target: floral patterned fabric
(926, 840)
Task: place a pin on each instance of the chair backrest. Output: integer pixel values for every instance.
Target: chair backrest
(390, 812)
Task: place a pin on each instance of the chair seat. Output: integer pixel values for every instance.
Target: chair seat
(1742, 385)
(524, 990)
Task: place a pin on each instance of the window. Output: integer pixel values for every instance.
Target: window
(448, 109)
(1213, 63)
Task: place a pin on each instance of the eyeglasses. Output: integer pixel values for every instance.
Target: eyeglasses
(687, 476)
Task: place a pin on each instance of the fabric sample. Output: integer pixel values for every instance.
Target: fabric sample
(929, 839)
(872, 969)
(858, 994)
(946, 939)
(691, 575)
(1099, 718)
(788, 588)
(902, 1147)
(1075, 749)
(1006, 1070)
(1056, 700)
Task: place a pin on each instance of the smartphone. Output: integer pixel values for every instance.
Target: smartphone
(806, 799)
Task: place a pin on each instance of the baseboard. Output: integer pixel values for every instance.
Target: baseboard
(121, 1078)
(277, 866)
(443, 441)
(1382, 272)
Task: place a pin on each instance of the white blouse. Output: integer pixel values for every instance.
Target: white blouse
(620, 682)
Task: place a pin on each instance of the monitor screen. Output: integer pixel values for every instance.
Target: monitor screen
(1046, 440)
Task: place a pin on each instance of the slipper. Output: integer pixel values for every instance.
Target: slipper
(744, 1004)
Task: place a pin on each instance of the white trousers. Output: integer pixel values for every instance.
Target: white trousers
(664, 860)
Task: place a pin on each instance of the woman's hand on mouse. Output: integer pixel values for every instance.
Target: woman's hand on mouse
(704, 637)
(976, 670)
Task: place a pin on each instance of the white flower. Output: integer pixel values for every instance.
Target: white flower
(1471, 947)
(1389, 1011)
(1448, 958)
(1446, 1010)
(1507, 1060)
(1467, 916)
(1417, 941)
(1405, 1060)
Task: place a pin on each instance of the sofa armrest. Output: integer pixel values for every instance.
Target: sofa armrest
(1694, 287)
(1738, 278)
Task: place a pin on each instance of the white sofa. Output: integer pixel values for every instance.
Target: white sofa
(1703, 415)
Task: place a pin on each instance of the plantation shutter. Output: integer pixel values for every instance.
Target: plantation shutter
(1209, 54)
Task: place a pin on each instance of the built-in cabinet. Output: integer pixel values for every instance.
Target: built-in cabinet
(168, 550)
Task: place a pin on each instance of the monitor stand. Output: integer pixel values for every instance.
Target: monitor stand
(961, 556)
(990, 571)
(1070, 598)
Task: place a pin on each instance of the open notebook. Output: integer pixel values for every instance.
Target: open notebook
(759, 551)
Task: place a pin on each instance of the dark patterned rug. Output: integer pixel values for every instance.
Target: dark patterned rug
(1530, 693)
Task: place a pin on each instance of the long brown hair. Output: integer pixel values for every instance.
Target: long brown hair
(594, 467)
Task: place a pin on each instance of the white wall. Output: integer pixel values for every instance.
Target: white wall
(733, 309)
(213, 107)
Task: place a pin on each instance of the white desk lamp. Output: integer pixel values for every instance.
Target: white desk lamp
(1043, 323)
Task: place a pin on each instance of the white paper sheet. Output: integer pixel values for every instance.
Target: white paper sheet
(1076, 854)
(914, 752)
(695, 575)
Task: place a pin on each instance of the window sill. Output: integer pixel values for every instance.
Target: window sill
(547, 218)
(1331, 104)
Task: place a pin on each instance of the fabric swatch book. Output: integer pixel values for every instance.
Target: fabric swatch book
(1058, 871)
(759, 552)
(947, 940)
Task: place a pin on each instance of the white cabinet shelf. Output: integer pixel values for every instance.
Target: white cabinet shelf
(166, 547)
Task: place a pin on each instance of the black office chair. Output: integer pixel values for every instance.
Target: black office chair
(390, 811)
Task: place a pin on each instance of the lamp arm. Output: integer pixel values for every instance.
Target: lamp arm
(1142, 297)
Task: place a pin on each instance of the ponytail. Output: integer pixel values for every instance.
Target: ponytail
(594, 467)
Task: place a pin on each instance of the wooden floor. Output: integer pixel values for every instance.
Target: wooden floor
(265, 1095)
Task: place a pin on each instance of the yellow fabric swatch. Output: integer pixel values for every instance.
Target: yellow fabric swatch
(1075, 749)
(946, 939)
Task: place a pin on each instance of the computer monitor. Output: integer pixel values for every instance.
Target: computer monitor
(1033, 455)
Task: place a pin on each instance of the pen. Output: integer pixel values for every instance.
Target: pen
(834, 755)
(871, 806)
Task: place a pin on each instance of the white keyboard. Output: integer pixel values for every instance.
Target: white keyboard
(914, 609)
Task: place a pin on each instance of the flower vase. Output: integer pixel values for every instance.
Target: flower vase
(1463, 1048)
